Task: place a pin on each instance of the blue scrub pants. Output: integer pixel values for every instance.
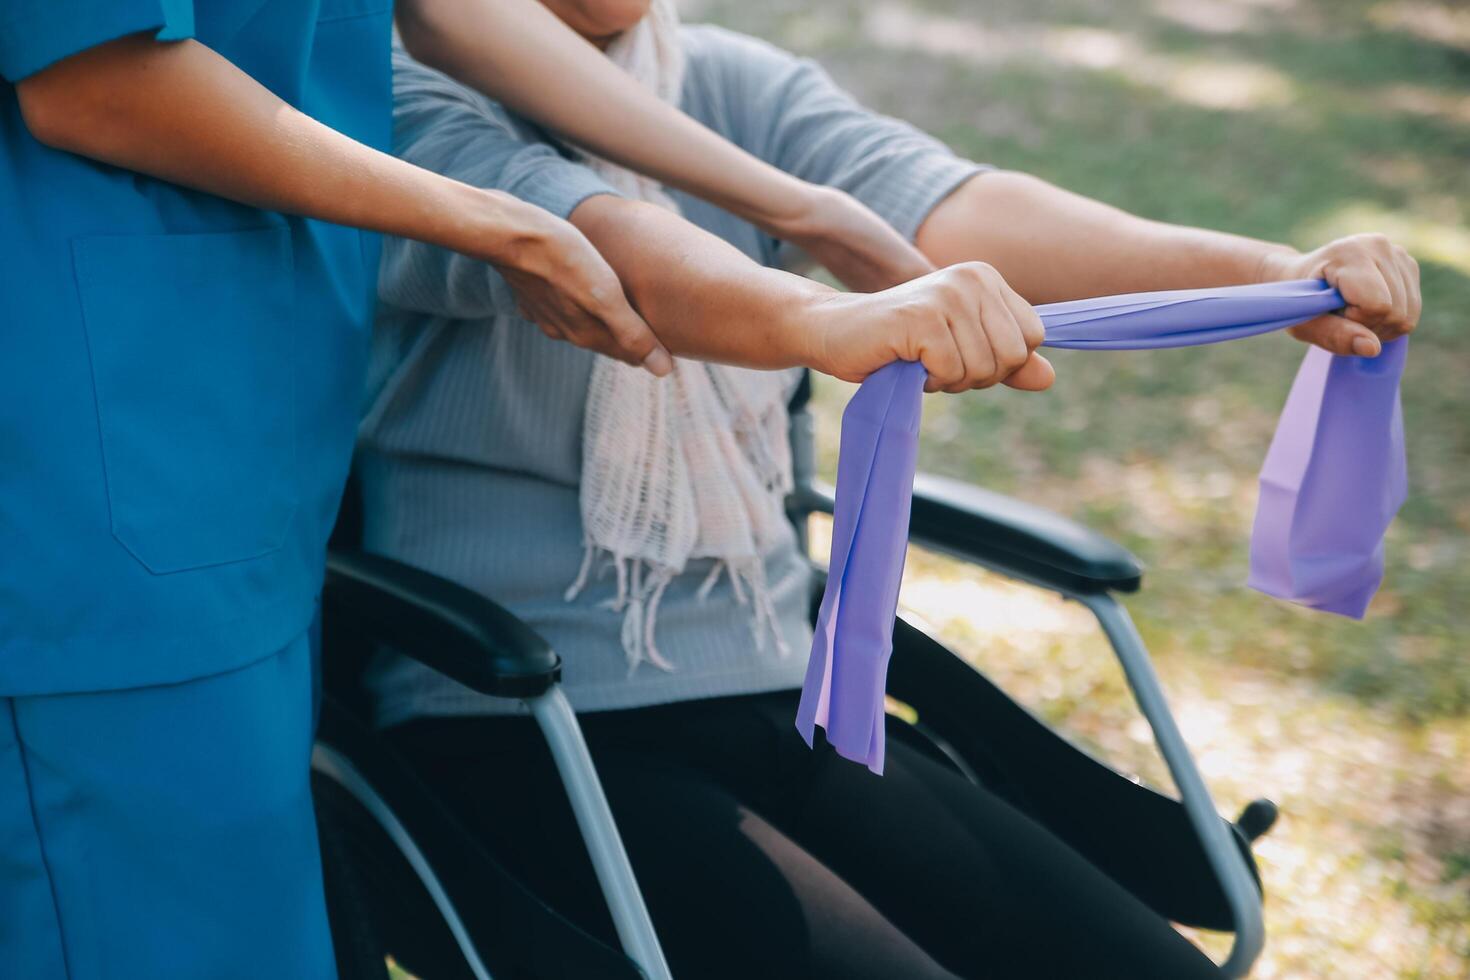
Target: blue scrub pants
(163, 832)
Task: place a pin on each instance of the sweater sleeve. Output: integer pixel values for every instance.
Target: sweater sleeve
(789, 112)
(442, 126)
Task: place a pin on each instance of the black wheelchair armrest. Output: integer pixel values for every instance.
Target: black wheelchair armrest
(446, 626)
(1009, 535)
(1014, 536)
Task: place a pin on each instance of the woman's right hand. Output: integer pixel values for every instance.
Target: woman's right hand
(964, 323)
(564, 286)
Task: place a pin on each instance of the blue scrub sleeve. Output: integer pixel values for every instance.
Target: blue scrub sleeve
(38, 33)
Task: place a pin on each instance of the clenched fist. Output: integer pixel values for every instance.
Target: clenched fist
(964, 323)
(1379, 281)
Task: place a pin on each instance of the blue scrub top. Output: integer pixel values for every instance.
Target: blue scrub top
(179, 375)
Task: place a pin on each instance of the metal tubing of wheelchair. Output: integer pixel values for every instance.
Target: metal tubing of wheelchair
(1221, 851)
(594, 817)
(803, 471)
(335, 766)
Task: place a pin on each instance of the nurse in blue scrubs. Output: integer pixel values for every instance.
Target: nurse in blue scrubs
(185, 293)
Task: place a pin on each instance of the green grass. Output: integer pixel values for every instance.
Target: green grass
(1294, 120)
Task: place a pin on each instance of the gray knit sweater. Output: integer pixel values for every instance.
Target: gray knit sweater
(470, 444)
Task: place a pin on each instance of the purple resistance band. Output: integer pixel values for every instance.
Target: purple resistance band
(1331, 484)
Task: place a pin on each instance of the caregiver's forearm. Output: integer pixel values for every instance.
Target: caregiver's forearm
(181, 112)
(703, 297)
(518, 53)
(1053, 245)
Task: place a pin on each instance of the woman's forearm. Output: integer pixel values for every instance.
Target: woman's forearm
(704, 298)
(708, 300)
(518, 53)
(1053, 245)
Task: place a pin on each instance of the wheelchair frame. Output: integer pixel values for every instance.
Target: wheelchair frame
(481, 645)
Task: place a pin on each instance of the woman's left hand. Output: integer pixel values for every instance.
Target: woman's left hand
(1379, 281)
(850, 241)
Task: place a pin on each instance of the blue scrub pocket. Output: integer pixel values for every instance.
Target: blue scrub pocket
(192, 345)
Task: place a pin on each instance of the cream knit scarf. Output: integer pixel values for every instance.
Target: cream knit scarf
(695, 465)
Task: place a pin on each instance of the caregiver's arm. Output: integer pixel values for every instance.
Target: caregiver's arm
(180, 112)
(708, 300)
(1053, 245)
(518, 53)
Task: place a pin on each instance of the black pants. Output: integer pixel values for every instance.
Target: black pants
(761, 858)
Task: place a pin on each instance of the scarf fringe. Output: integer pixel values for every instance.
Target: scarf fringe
(640, 589)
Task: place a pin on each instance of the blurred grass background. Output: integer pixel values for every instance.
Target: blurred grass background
(1293, 120)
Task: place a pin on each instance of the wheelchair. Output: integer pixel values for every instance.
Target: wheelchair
(405, 878)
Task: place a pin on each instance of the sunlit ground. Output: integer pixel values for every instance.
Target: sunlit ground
(1287, 119)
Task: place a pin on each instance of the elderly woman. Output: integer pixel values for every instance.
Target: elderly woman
(637, 523)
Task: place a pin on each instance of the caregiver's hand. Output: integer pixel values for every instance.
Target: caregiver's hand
(565, 287)
(1379, 280)
(849, 240)
(967, 326)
